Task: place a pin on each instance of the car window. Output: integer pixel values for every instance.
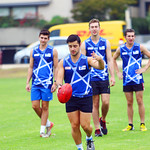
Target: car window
(57, 42)
(55, 33)
(51, 42)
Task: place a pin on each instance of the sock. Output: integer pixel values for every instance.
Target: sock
(42, 130)
(80, 146)
(48, 123)
(143, 123)
(89, 138)
(131, 125)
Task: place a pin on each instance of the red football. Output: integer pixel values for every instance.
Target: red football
(64, 93)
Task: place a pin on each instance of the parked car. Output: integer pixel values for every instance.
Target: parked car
(147, 45)
(23, 56)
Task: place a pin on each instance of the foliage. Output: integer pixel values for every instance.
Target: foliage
(140, 25)
(148, 20)
(101, 9)
(6, 22)
(58, 20)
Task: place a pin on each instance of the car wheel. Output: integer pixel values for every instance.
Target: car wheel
(25, 60)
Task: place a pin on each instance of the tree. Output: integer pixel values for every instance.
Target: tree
(101, 9)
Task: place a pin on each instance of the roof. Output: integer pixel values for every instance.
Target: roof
(20, 4)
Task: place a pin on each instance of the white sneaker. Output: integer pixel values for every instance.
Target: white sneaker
(49, 129)
(43, 135)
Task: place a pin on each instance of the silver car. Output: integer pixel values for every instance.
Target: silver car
(23, 56)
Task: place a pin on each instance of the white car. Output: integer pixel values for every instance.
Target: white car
(23, 56)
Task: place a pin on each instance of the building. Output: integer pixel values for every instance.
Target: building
(31, 9)
(141, 9)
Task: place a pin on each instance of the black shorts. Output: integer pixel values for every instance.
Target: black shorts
(136, 87)
(100, 87)
(83, 104)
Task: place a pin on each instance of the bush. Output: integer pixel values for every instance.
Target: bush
(140, 25)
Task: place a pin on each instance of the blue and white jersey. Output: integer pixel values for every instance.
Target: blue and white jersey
(78, 75)
(99, 49)
(43, 67)
(132, 59)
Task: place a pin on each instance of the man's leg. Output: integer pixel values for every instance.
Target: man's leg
(44, 115)
(95, 112)
(36, 107)
(85, 119)
(139, 98)
(105, 105)
(129, 98)
(74, 118)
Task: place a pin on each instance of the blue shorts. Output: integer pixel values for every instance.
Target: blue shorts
(84, 104)
(41, 94)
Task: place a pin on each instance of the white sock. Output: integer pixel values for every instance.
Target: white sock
(42, 130)
(80, 146)
(48, 123)
(89, 138)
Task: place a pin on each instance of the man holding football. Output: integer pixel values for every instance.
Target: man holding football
(75, 70)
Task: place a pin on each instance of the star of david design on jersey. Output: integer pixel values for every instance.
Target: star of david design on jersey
(130, 68)
(76, 78)
(42, 67)
(103, 73)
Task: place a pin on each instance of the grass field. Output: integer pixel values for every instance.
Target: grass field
(19, 125)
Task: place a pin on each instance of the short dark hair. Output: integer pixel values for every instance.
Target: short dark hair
(94, 21)
(44, 32)
(73, 37)
(128, 30)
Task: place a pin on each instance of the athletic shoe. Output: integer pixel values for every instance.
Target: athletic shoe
(98, 133)
(43, 135)
(90, 145)
(103, 126)
(128, 128)
(49, 129)
(143, 127)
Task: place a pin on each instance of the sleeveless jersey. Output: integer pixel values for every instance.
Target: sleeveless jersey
(43, 67)
(99, 49)
(78, 75)
(132, 59)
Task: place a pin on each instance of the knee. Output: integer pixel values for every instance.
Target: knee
(75, 126)
(140, 102)
(96, 104)
(129, 103)
(44, 108)
(86, 127)
(35, 107)
(106, 103)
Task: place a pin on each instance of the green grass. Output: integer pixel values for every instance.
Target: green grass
(19, 125)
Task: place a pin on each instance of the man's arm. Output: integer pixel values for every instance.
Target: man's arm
(110, 64)
(96, 61)
(147, 53)
(115, 56)
(55, 62)
(30, 71)
(60, 74)
(83, 50)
